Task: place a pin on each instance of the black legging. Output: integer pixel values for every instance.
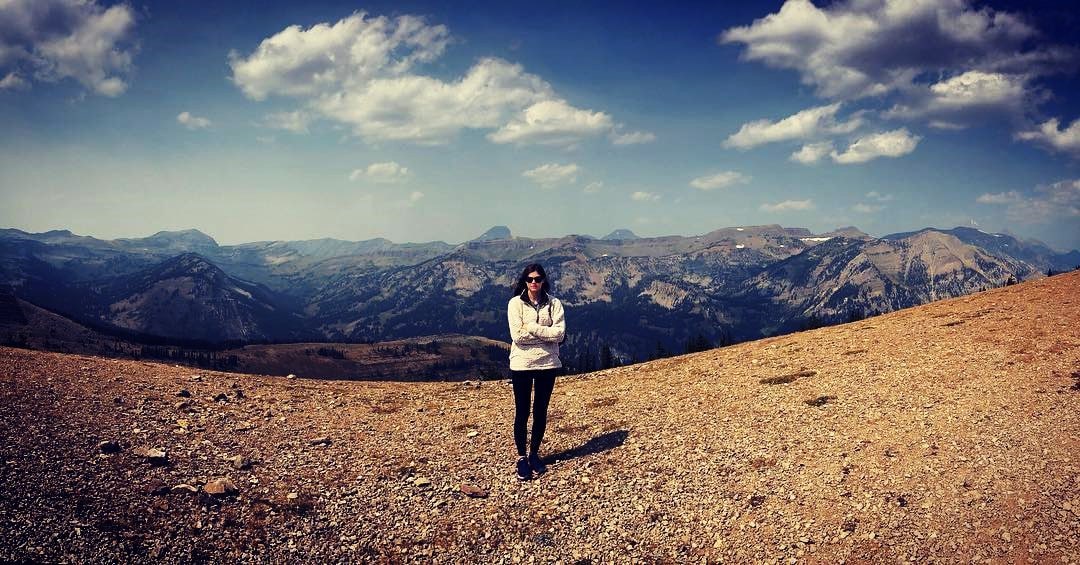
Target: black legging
(545, 383)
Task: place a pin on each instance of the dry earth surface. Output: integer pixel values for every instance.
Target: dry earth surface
(944, 433)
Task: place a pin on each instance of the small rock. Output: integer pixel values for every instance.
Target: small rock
(472, 433)
(220, 487)
(239, 462)
(183, 488)
(183, 406)
(292, 496)
(322, 440)
(184, 393)
(108, 446)
(153, 455)
(473, 491)
(290, 376)
(196, 378)
(156, 486)
(221, 397)
(422, 482)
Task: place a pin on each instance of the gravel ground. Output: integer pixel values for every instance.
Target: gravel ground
(944, 433)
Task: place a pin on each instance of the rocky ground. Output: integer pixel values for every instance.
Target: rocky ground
(944, 433)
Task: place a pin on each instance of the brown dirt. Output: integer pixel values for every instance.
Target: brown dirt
(950, 432)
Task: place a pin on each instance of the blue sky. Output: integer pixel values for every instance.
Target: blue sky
(435, 121)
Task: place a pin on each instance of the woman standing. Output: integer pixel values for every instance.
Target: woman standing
(537, 327)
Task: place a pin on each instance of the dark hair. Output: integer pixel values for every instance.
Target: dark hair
(537, 268)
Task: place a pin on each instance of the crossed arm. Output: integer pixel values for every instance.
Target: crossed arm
(528, 332)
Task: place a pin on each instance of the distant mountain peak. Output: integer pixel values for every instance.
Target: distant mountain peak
(496, 232)
(621, 234)
(850, 232)
(189, 236)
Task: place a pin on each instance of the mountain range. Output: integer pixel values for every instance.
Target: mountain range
(634, 297)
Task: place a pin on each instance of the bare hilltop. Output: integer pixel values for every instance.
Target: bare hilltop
(943, 433)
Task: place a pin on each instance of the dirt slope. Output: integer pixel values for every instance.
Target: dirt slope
(948, 432)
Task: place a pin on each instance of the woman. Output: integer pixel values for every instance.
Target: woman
(537, 327)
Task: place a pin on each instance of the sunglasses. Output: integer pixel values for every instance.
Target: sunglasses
(534, 279)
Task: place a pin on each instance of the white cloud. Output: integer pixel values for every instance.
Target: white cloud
(415, 196)
(427, 110)
(887, 144)
(867, 208)
(806, 124)
(946, 125)
(387, 172)
(631, 138)
(965, 95)
(52, 40)
(362, 72)
(192, 122)
(327, 58)
(12, 81)
(788, 206)
(875, 195)
(812, 152)
(296, 121)
(593, 187)
(1044, 204)
(642, 196)
(1049, 134)
(857, 49)
(999, 197)
(552, 174)
(719, 180)
(552, 122)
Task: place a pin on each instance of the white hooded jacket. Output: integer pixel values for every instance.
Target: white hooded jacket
(535, 332)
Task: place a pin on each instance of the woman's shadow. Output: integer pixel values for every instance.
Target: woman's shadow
(598, 444)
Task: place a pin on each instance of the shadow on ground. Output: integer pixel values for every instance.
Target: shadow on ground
(598, 444)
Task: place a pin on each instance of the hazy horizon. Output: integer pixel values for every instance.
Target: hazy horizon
(529, 236)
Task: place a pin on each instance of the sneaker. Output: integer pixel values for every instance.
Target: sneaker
(537, 465)
(524, 473)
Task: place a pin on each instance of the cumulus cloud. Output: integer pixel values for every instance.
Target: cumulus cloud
(1050, 135)
(852, 50)
(887, 144)
(552, 122)
(386, 172)
(812, 152)
(363, 72)
(788, 206)
(966, 95)
(722, 179)
(52, 40)
(631, 138)
(12, 81)
(325, 58)
(643, 196)
(552, 174)
(1046, 203)
(192, 122)
(593, 187)
(806, 124)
